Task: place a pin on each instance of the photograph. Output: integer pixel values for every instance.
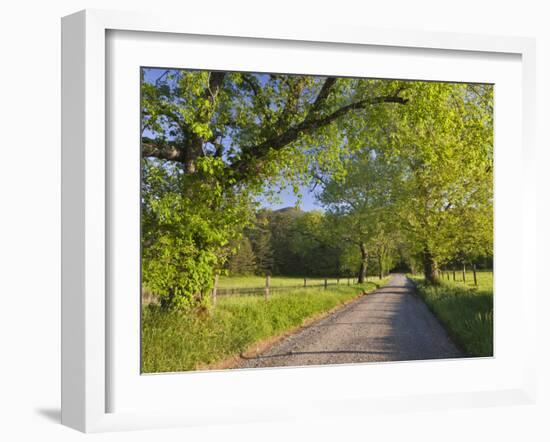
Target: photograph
(292, 220)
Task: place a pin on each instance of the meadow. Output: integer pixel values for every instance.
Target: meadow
(466, 310)
(252, 281)
(176, 341)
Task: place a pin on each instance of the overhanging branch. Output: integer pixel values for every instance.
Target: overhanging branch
(308, 125)
(164, 150)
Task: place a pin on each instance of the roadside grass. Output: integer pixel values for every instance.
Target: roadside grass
(175, 341)
(465, 310)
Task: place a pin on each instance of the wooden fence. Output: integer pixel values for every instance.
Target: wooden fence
(269, 288)
(266, 290)
(458, 274)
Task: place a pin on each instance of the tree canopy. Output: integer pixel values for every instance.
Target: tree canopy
(403, 170)
(424, 177)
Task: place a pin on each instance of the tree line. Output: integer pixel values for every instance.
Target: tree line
(403, 170)
(293, 242)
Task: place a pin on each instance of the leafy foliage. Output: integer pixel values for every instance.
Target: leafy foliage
(243, 262)
(187, 225)
(426, 182)
(404, 170)
(450, 176)
(260, 237)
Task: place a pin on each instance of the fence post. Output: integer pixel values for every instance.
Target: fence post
(337, 281)
(475, 275)
(348, 281)
(464, 273)
(448, 276)
(305, 282)
(454, 276)
(266, 286)
(215, 290)
(326, 283)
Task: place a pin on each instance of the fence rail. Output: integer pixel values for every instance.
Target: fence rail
(274, 288)
(459, 274)
(267, 289)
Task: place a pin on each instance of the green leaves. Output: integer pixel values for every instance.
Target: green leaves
(426, 179)
(187, 225)
(415, 176)
(445, 141)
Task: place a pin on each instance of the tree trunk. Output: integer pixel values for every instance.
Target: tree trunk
(430, 267)
(166, 302)
(192, 152)
(364, 261)
(380, 272)
(195, 143)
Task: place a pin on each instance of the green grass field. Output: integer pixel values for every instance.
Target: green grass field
(173, 341)
(233, 282)
(465, 310)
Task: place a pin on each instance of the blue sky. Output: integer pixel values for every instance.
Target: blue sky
(152, 74)
(286, 197)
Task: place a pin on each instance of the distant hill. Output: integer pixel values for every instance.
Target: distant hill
(289, 209)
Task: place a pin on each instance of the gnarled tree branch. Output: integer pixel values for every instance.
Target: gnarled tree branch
(321, 97)
(188, 152)
(164, 150)
(308, 125)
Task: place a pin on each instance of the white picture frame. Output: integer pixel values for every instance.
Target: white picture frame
(86, 352)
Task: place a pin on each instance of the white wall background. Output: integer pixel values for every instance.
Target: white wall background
(30, 215)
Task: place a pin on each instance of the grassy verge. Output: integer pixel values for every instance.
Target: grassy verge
(465, 310)
(174, 341)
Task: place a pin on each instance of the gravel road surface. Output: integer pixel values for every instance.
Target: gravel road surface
(391, 324)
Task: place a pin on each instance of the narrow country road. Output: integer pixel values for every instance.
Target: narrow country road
(391, 324)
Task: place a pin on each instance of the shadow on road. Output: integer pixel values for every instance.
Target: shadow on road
(326, 352)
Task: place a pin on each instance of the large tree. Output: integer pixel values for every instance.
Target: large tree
(445, 146)
(213, 140)
(422, 179)
(253, 121)
(362, 205)
(260, 237)
(243, 262)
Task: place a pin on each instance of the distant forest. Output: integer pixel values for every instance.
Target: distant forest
(294, 242)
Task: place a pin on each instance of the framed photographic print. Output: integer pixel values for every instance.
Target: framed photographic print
(269, 223)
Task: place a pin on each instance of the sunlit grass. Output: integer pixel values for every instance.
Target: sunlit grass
(232, 282)
(466, 310)
(175, 341)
